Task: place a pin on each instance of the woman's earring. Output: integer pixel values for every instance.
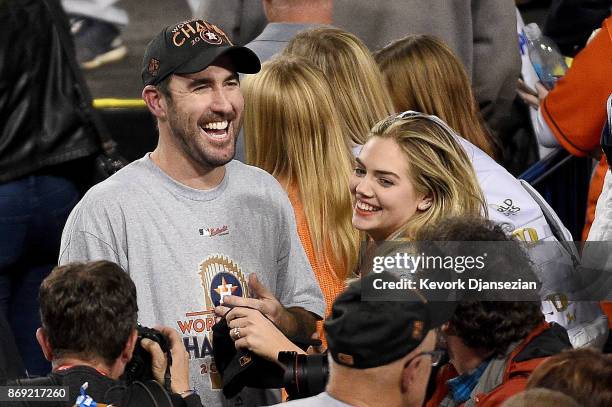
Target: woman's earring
(424, 205)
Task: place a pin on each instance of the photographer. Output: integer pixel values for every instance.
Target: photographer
(89, 333)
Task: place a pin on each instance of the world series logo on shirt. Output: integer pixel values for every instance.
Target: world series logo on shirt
(221, 277)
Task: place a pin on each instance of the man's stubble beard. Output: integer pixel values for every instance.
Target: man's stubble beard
(188, 135)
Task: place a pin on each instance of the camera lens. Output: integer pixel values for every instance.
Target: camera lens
(305, 375)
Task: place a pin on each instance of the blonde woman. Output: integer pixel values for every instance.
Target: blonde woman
(422, 73)
(412, 171)
(359, 91)
(292, 131)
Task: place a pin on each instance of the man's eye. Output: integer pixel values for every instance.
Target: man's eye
(233, 83)
(200, 88)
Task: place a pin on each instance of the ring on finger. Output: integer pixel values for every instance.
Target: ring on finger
(236, 333)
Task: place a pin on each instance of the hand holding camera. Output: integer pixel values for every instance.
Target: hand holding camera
(160, 355)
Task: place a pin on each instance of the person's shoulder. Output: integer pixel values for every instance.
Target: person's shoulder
(125, 187)
(253, 177)
(123, 184)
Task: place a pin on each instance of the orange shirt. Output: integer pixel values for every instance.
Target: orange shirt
(324, 269)
(575, 109)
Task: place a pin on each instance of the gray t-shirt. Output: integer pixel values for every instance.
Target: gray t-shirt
(322, 399)
(184, 248)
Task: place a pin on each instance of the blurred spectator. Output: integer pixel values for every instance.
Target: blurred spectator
(569, 23)
(573, 113)
(493, 345)
(96, 27)
(46, 134)
(303, 145)
(583, 374)
(11, 366)
(601, 231)
(243, 20)
(359, 93)
(540, 398)
(423, 74)
(286, 18)
(481, 32)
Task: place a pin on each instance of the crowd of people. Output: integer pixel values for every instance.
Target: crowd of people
(237, 258)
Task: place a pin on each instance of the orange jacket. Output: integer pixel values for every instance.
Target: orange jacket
(544, 341)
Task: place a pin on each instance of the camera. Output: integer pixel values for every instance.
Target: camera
(139, 368)
(305, 375)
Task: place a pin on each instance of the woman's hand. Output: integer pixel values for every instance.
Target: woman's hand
(251, 330)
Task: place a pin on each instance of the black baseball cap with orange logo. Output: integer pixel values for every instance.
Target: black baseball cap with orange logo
(190, 47)
(364, 331)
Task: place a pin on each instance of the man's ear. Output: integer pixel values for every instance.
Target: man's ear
(155, 101)
(128, 350)
(43, 341)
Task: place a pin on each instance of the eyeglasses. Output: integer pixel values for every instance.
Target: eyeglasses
(436, 357)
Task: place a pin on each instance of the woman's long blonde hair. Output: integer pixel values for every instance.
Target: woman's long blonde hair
(293, 132)
(358, 87)
(422, 73)
(437, 166)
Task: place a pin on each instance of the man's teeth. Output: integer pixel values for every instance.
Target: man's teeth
(216, 125)
(365, 207)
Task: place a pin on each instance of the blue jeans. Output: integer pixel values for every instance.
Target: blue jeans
(33, 211)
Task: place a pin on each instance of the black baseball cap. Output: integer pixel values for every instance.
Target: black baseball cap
(189, 47)
(368, 333)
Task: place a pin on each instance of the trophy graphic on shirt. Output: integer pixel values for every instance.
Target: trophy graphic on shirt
(220, 277)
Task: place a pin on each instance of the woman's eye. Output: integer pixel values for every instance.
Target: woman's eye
(385, 182)
(359, 171)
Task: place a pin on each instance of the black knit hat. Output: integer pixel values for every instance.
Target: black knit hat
(190, 47)
(369, 333)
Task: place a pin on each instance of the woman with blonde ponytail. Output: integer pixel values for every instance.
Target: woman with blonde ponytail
(292, 131)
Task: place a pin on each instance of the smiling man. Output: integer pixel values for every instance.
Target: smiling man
(189, 224)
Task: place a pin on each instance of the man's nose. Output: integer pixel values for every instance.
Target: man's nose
(221, 102)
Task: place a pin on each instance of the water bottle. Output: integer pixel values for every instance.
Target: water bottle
(544, 55)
